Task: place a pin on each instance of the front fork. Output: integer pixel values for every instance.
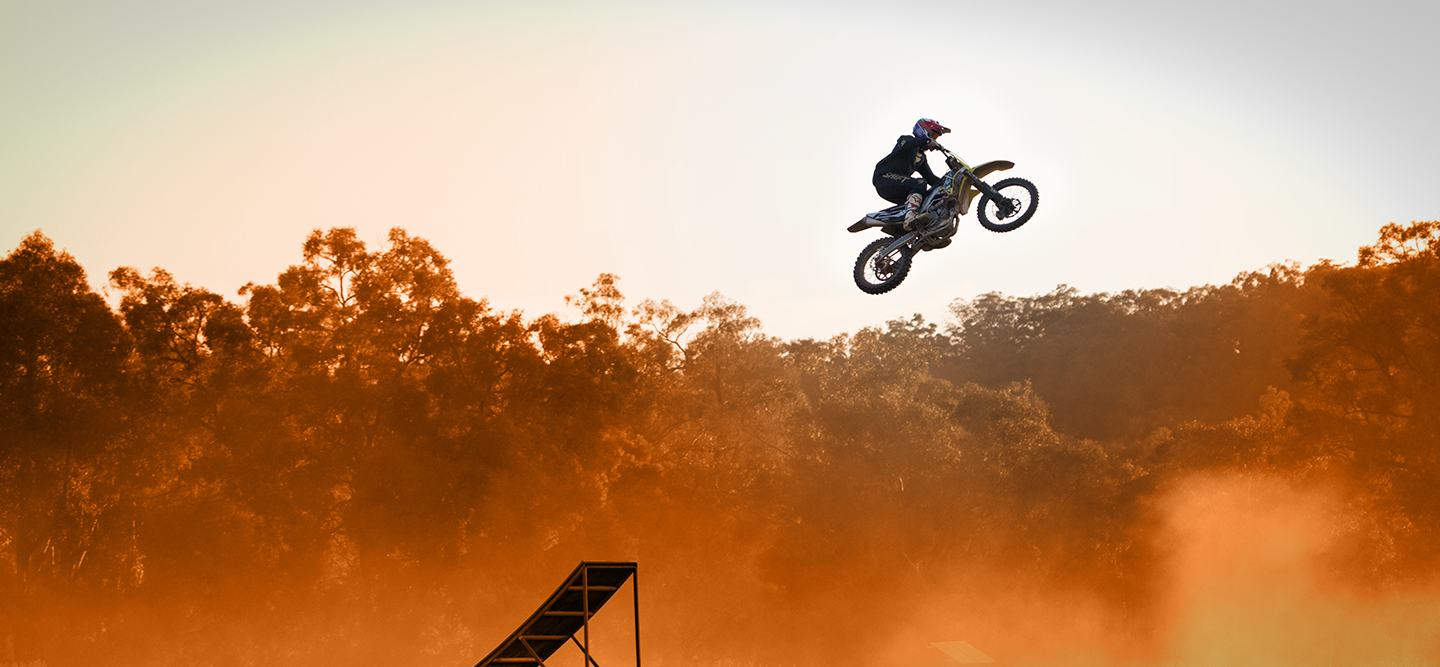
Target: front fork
(980, 185)
(1006, 208)
(902, 240)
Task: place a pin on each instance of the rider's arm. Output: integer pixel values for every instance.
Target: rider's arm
(920, 164)
(924, 169)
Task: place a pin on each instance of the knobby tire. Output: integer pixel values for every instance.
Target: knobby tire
(888, 272)
(1020, 189)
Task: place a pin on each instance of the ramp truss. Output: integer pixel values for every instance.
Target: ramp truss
(565, 613)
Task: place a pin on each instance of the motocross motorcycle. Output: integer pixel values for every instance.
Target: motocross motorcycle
(1004, 206)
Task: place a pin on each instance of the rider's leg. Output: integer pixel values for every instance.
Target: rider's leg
(904, 190)
(892, 188)
(912, 205)
(895, 188)
(913, 215)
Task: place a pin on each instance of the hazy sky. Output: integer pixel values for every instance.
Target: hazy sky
(692, 147)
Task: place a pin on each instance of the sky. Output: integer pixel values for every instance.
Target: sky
(694, 147)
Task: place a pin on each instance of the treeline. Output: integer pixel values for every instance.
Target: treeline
(357, 464)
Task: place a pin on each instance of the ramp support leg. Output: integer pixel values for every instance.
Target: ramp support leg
(635, 588)
(585, 594)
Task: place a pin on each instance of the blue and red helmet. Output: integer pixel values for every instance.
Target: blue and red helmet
(928, 129)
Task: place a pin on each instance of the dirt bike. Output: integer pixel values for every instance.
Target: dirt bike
(1004, 206)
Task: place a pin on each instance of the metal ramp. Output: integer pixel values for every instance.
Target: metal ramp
(962, 652)
(566, 612)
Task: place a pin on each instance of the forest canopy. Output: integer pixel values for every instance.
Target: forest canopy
(358, 463)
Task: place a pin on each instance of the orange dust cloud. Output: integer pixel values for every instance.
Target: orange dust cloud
(1250, 586)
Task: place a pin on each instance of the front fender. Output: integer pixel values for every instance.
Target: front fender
(967, 189)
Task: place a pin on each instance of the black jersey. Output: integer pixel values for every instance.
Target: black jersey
(906, 158)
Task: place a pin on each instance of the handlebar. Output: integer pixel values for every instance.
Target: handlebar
(951, 160)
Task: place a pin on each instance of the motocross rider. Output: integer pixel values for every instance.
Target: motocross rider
(894, 175)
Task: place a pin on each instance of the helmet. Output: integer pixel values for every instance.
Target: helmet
(928, 129)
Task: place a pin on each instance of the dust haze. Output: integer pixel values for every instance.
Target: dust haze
(354, 463)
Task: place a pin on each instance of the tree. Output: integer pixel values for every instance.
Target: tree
(62, 385)
(1371, 366)
(1122, 365)
(1374, 354)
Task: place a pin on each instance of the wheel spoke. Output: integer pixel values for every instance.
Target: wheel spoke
(1012, 205)
(877, 271)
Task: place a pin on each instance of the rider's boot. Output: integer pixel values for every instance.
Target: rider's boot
(913, 217)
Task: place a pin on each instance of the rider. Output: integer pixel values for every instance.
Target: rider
(894, 176)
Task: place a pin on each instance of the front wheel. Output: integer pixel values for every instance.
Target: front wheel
(1017, 202)
(878, 272)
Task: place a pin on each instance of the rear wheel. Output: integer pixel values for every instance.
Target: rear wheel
(878, 272)
(1018, 198)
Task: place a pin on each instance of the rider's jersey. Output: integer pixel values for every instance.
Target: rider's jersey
(906, 158)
